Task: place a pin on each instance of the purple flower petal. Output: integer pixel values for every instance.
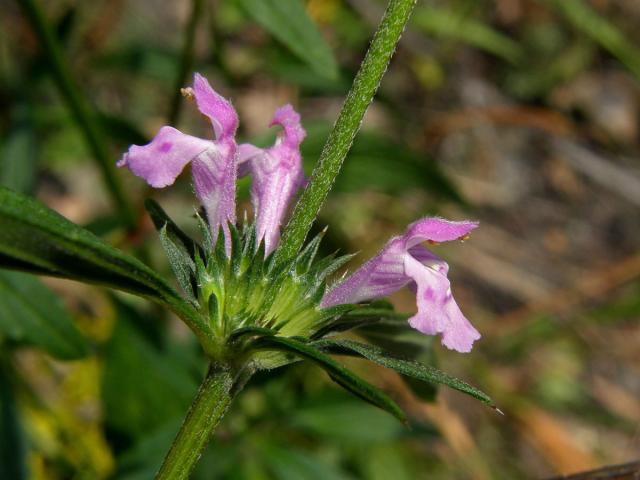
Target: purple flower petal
(438, 312)
(219, 110)
(403, 261)
(277, 175)
(161, 161)
(437, 230)
(289, 119)
(213, 162)
(214, 179)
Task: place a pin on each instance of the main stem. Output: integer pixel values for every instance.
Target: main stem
(347, 125)
(82, 112)
(217, 391)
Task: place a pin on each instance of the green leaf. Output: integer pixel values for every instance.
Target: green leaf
(288, 22)
(288, 463)
(36, 239)
(342, 376)
(586, 19)
(30, 313)
(346, 421)
(18, 155)
(143, 388)
(449, 24)
(409, 368)
(12, 445)
(360, 316)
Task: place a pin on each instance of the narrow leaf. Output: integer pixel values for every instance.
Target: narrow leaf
(409, 368)
(588, 21)
(35, 238)
(161, 219)
(337, 372)
(181, 263)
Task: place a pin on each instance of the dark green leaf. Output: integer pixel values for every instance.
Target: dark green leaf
(347, 420)
(12, 446)
(161, 219)
(409, 368)
(143, 388)
(288, 463)
(337, 372)
(30, 313)
(34, 238)
(19, 154)
(121, 129)
(288, 21)
(358, 316)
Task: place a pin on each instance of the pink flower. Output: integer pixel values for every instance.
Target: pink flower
(213, 162)
(404, 261)
(277, 175)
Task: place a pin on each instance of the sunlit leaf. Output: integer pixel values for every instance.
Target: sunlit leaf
(449, 24)
(586, 19)
(288, 21)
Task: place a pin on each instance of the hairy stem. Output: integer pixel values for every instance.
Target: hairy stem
(347, 125)
(80, 108)
(213, 399)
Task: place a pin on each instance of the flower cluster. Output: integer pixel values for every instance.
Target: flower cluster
(277, 176)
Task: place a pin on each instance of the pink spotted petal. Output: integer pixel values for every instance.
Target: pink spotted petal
(219, 110)
(161, 161)
(438, 312)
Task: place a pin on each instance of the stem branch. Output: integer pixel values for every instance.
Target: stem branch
(217, 391)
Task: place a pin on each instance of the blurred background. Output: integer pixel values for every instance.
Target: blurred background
(520, 113)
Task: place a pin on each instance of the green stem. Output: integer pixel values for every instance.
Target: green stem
(186, 61)
(217, 391)
(347, 125)
(79, 107)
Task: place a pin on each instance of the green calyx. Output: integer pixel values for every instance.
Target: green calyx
(245, 291)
